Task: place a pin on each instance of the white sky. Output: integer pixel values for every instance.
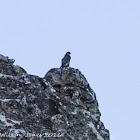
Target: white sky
(104, 39)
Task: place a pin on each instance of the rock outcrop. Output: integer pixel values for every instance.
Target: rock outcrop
(60, 106)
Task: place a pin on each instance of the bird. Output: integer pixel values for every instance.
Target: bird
(66, 60)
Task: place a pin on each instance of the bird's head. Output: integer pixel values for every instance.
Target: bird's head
(68, 53)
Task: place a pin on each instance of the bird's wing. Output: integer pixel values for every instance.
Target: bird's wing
(65, 60)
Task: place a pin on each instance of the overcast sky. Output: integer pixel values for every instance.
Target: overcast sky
(104, 39)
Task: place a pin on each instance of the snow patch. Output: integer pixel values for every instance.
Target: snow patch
(7, 100)
(8, 76)
(27, 81)
(52, 90)
(2, 87)
(17, 131)
(24, 100)
(4, 58)
(96, 117)
(95, 131)
(10, 123)
(86, 112)
(75, 111)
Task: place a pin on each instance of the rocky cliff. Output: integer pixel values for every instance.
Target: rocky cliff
(60, 106)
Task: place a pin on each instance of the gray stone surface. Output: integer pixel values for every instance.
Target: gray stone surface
(60, 106)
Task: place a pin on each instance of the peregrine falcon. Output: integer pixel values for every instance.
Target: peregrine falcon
(66, 60)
